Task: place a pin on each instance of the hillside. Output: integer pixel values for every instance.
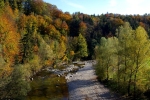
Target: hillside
(35, 35)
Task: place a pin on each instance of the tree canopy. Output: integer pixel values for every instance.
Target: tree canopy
(36, 35)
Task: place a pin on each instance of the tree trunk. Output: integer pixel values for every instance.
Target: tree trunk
(125, 64)
(118, 76)
(135, 76)
(107, 74)
(129, 84)
(108, 68)
(136, 71)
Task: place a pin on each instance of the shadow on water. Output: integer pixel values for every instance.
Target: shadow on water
(48, 86)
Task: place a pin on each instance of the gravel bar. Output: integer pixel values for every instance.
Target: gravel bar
(83, 85)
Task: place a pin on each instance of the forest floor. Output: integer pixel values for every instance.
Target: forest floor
(83, 85)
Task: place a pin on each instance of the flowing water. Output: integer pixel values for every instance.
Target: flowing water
(48, 86)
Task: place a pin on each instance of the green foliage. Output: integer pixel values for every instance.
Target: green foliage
(124, 59)
(45, 50)
(30, 38)
(19, 85)
(81, 47)
(2, 4)
(35, 34)
(35, 65)
(106, 58)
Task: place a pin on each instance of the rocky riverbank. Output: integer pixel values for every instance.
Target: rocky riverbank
(83, 85)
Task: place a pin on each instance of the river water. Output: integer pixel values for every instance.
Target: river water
(48, 86)
(74, 82)
(51, 84)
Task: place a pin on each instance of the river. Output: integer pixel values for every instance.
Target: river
(82, 84)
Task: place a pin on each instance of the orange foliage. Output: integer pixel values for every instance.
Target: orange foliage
(64, 26)
(117, 22)
(48, 62)
(9, 12)
(9, 41)
(52, 32)
(66, 16)
(22, 21)
(72, 53)
(83, 27)
(35, 48)
(57, 23)
(142, 24)
(9, 38)
(51, 29)
(57, 13)
(63, 38)
(41, 21)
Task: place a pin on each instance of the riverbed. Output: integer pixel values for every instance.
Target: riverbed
(75, 82)
(83, 85)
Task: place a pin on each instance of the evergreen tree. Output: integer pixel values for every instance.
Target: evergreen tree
(81, 47)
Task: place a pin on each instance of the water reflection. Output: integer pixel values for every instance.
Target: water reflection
(48, 86)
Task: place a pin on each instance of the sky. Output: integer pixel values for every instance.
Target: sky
(98, 7)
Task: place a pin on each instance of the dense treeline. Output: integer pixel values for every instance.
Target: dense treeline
(36, 35)
(123, 61)
(104, 25)
(33, 35)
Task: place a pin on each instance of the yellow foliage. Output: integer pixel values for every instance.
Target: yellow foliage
(66, 16)
(35, 48)
(9, 38)
(57, 23)
(48, 62)
(61, 49)
(72, 53)
(6, 70)
(54, 66)
(9, 12)
(35, 64)
(65, 58)
(63, 38)
(52, 32)
(41, 21)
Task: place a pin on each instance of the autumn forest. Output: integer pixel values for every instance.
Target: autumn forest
(35, 35)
